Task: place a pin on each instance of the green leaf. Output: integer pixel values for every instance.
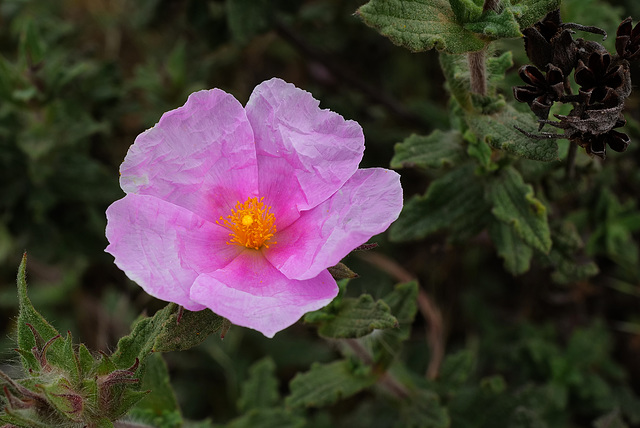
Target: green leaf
(456, 368)
(193, 329)
(357, 317)
(31, 45)
(515, 253)
(615, 223)
(499, 132)
(61, 397)
(261, 389)
(15, 418)
(327, 313)
(325, 384)
(514, 204)
(86, 362)
(466, 10)
(403, 304)
(455, 202)
(159, 408)
(125, 402)
(438, 149)
(247, 18)
(424, 411)
(481, 151)
(27, 315)
(528, 12)
(139, 343)
(497, 66)
(104, 423)
(267, 418)
(568, 264)
(496, 25)
(456, 71)
(163, 333)
(420, 25)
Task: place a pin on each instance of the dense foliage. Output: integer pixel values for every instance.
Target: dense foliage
(506, 295)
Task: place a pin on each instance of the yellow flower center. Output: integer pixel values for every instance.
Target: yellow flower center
(251, 224)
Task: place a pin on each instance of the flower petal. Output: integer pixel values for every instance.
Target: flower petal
(200, 156)
(304, 153)
(250, 292)
(365, 206)
(164, 247)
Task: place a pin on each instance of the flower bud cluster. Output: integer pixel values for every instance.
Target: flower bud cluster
(604, 82)
(67, 387)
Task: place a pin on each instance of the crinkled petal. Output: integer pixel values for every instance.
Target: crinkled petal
(365, 206)
(164, 247)
(200, 156)
(304, 153)
(250, 292)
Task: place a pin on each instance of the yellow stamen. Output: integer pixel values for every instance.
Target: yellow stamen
(251, 224)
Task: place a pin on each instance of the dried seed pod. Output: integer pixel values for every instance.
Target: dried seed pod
(628, 40)
(604, 80)
(599, 75)
(540, 91)
(547, 42)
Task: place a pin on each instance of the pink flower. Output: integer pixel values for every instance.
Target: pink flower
(241, 210)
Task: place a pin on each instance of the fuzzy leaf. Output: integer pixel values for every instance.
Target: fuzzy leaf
(357, 318)
(325, 384)
(420, 25)
(456, 368)
(159, 408)
(454, 201)
(31, 45)
(499, 132)
(267, 418)
(424, 411)
(403, 304)
(28, 315)
(496, 25)
(515, 253)
(261, 389)
(436, 150)
(64, 400)
(125, 402)
(86, 361)
(16, 418)
(139, 343)
(193, 329)
(466, 10)
(529, 12)
(514, 204)
(568, 266)
(104, 423)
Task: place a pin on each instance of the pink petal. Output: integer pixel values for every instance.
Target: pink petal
(164, 247)
(200, 156)
(250, 292)
(304, 153)
(365, 206)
